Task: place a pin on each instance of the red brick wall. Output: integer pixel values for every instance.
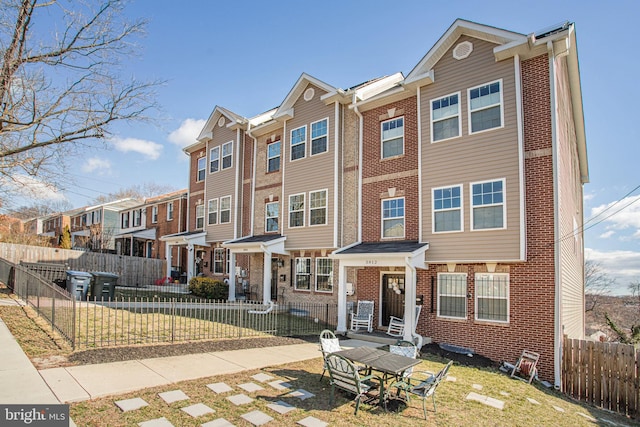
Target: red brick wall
(247, 176)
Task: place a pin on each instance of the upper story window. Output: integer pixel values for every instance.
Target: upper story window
(303, 274)
(154, 214)
(124, 220)
(273, 157)
(214, 160)
(324, 274)
(202, 164)
(298, 143)
(487, 204)
(485, 107)
(271, 217)
(393, 137)
(447, 209)
(200, 216)
(452, 295)
(319, 137)
(137, 217)
(169, 211)
(492, 297)
(227, 155)
(225, 210)
(213, 212)
(393, 217)
(445, 118)
(318, 207)
(296, 210)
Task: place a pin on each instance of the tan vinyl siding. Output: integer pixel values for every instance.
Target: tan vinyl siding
(220, 184)
(486, 156)
(570, 211)
(310, 173)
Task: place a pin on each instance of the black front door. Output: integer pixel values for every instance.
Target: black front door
(274, 279)
(392, 297)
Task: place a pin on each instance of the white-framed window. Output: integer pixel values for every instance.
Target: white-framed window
(227, 155)
(296, 210)
(445, 117)
(137, 217)
(318, 207)
(225, 210)
(452, 295)
(218, 260)
(303, 274)
(124, 220)
(447, 209)
(272, 215)
(392, 135)
(393, 217)
(324, 275)
(169, 211)
(299, 143)
(492, 297)
(202, 165)
(214, 160)
(212, 212)
(319, 139)
(273, 157)
(487, 205)
(485, 107)
(154, 214)
(200, 216)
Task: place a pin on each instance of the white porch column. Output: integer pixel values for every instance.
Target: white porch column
(233, 279)
(409, 302)
(342, 298)
(190, 261)
(266, 284)
(167, 256)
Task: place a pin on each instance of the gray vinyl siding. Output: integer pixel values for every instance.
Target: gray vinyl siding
(220, 184)
(487, 156)
(570, 212)
(311, 173)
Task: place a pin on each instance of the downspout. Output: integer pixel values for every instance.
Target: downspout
(521, 177)
(359, 185)
(336, 170)
(238, 183)
(253, 177)
(419, 166)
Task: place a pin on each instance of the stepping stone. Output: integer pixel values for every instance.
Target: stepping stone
(158, 422)
(559, 409)
(263, 378)
(312, 422)
(505, 394)
(280, 385)
(301, 394)
(476, 386)
(589, 417)
(131, 404)
(198, 410)
(220, 422)
(257, 418)
(219, 388)
(250, 387)
(173, 396)
(281, 407)
(450, 378)
(533, 401)
(240, 399)
(489, 401)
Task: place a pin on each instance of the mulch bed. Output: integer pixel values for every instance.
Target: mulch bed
(474, 360)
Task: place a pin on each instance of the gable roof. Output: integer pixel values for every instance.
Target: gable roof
(285, 110)
(233, 119)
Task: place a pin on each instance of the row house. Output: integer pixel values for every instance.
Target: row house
(142, 228)
(457, 187)
(53, 225)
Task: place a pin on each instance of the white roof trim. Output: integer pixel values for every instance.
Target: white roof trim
(286, 107)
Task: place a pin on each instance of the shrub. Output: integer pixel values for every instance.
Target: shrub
(206, 287)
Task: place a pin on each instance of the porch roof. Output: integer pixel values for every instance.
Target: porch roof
(273, 243)
(147, 234)
(187, 237)
(390, 253)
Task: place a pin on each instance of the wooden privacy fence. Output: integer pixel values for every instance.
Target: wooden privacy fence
(133, 271)
(603, 374)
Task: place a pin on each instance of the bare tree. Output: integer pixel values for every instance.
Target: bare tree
(597, 283)
(41, 208)
(139, 191)
(61, 87)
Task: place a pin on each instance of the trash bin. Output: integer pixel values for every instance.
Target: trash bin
(78, 284)
(103, 285)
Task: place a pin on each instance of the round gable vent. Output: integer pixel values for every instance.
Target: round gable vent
(221, 121)
(462, 50)
(308, 94)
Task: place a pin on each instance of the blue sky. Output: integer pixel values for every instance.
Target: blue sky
(246, 57)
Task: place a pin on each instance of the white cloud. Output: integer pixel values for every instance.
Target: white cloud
(623, 215)
(93, 164)
(29, 187)
(624, 266)
(150, 149)
(607, 234)
(187, 133)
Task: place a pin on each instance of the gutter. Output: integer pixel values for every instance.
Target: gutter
(359, 185)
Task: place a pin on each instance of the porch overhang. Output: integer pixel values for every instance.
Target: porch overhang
(188, 238)
(147, 234)
(257, 244)
(389, 254)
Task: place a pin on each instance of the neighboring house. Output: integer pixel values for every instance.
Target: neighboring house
(94, 228)
(458, 187)
(53, 225)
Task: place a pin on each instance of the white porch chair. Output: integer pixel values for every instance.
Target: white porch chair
(363, 317)
(396, 325)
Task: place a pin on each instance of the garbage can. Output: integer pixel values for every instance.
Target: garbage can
(78, 284)
(103, 285)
